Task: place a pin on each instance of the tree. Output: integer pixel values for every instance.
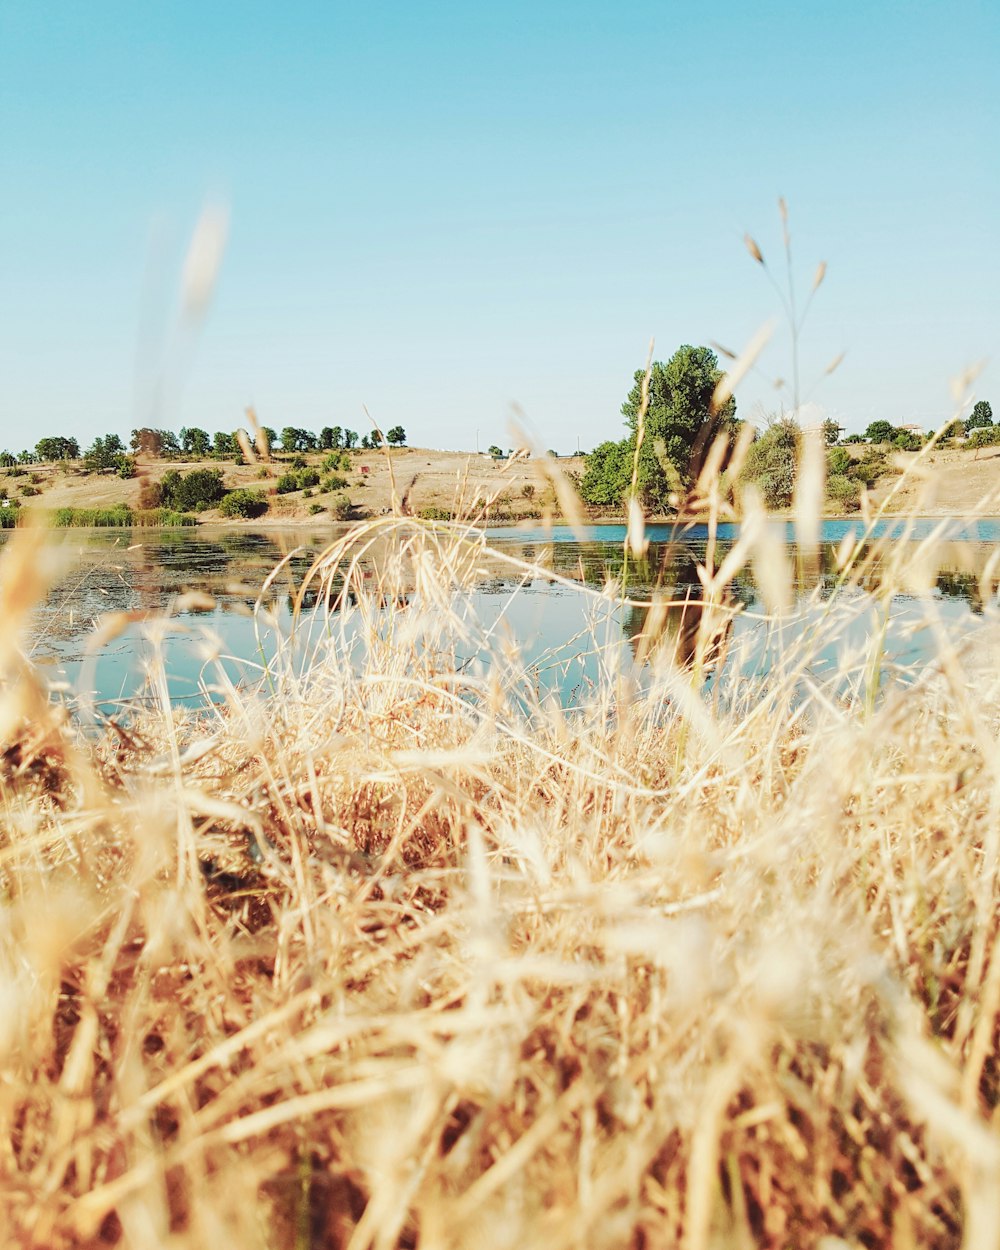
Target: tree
(338, 437)
(980, 417)
(608, 473)
(880, 432)
(680, 423)
(271, 435)
(104, 453)
(366, 442)
(57, 448)
(350, 439)
(195, 441)
(396, 436)
(223, 445)
(495, 451)
(831, 432)
(146, 442)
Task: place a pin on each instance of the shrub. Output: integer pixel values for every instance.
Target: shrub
(194, 491)
(308, 477)
(843, 490)
(337, 460)
(771, 461)
(838, 461)
(125, 467)
(298, 462)
(28, 490)
(263, 471)
(988, 436)
(528, 491)
(314, 508)
(869, 468)
(433, 513)
(150, 494)
(342, 508)
(8, 518)
(287, 483)
(244, 504)
(333, 482)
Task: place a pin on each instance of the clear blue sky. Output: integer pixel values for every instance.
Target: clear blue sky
(439, 210)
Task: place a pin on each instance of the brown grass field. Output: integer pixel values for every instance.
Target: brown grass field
(401, 953)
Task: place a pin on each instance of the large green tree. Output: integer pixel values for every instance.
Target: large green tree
(679, 426)
(981, 416)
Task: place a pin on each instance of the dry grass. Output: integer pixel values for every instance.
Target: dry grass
(399, 952)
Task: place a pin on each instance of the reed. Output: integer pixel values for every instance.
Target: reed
(393, 949)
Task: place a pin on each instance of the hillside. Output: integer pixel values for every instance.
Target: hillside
(426, 480)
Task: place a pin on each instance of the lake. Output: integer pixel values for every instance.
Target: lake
(558, 627)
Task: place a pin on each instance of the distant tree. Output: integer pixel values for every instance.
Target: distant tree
(954, 429)
(495, 451)
(366, 442)
(26, 457)
(57, 448)
(854, 438)
(831, 432)
(224, 445)
(337, 437)
(195, 442)
(271, 435)
(146, 442)
(350, 439)
(680, 424)
(880, 432)
(104, 453)
(396, 436)
(907, 440)
(7, 461)
(326, 438)
(169, 443)
(980, 417)
(289, 438)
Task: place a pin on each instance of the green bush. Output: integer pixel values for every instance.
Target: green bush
(433, 513)
(342, 508)
(843, 490)
(988, 436)
(192, 492)
(287, 483)
(243, 503)
(869, 468)
(838, 461)
(770, 463)
(29, 490)
(8, 518)
(337, 460)
(314, 508)
(308, 477)
(333, 482)
(126, 467)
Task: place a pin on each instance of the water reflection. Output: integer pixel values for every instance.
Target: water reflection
(142, 573)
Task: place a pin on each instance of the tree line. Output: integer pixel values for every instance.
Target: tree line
(108, 451)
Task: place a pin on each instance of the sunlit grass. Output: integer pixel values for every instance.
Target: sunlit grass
(393, 949)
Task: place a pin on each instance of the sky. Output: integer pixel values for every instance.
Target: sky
(443, 213)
